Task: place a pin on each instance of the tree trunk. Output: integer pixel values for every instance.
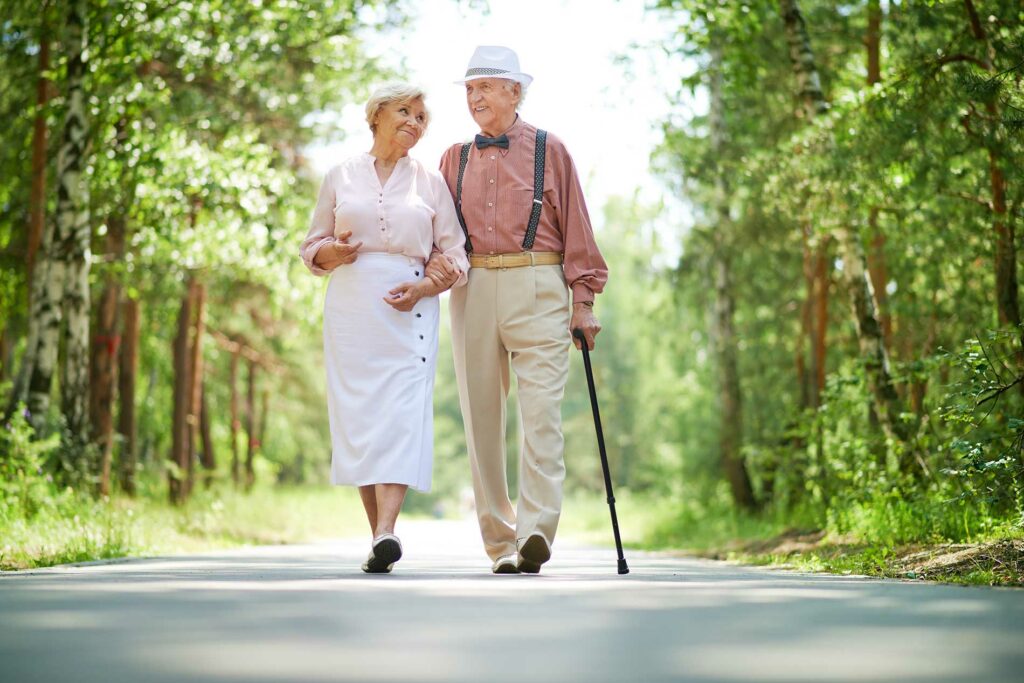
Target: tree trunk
(821, 297)
(235, 354)
(872, 346)
(207, 456)
(182, 394)
(877, 268)
(731, 422)
(195, 381)
(869, 332)
(72, 240)
(261, 426)
(812, 97)
(126, 394)
(105, 343)
(1007, 302)
(5, 352)
(250, 426)
(37, 194)
(804, 374)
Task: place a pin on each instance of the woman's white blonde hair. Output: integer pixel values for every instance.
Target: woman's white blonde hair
(402, 93)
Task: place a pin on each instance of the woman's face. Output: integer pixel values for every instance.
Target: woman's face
(401, 123)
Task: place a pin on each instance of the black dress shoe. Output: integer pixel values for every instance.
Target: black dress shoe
(532, 554)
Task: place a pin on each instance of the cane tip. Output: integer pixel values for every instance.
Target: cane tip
(623, 569)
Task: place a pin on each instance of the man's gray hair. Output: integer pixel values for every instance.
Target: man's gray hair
(402, 93)
(510, 85)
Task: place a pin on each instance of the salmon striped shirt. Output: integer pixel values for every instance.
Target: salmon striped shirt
(497, 197)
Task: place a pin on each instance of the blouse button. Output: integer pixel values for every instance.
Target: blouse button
(421, 336)
(416, 273)
(419, 315)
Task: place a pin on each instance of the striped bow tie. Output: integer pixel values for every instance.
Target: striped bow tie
(500, 141)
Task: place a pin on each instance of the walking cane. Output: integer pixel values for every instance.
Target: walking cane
(578, 333)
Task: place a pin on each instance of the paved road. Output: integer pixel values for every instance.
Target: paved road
(306, 614)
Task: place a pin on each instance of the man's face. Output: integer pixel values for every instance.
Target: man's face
(492, 103)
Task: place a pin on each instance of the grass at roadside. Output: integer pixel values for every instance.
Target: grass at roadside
(72, 528)
(874, 546)
(997, 562)
(76, 529)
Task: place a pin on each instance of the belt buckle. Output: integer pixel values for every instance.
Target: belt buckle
(501, 261)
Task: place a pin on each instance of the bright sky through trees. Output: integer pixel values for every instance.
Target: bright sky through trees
(607, 112)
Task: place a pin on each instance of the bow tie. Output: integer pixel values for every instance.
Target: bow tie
(500, 141)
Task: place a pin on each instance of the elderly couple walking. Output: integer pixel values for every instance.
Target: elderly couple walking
(505, 226)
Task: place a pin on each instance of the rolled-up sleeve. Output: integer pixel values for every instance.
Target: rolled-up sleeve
(321, 226)
(585, 269)
(448, 236)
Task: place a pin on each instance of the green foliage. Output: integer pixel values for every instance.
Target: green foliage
(75, 527)
(983, 408)
(906, 166)
(25, 488)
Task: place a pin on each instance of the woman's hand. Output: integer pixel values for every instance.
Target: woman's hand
(406, 295)
(442, 271)
(337, 253)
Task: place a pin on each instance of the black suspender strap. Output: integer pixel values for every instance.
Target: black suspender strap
(463, 159)
(539, 153)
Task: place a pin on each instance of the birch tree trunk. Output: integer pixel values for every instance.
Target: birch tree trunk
(730, 436)
(63, 252)
(40, 133)
(877, 268)
(72, 240)
(869, 332)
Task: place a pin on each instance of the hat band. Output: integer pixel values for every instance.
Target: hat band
(485, 71)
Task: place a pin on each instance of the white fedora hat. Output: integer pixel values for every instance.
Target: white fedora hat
(495, 61)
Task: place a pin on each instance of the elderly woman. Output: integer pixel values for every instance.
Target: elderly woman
(377, 219)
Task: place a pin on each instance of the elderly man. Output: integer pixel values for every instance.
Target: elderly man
(530, 241)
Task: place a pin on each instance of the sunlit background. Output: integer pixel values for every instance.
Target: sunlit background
(602, 82)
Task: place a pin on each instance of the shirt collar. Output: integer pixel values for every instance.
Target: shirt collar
(514, 132)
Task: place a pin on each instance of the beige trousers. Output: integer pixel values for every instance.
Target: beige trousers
(517, 316)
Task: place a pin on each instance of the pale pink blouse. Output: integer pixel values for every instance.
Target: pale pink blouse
(409, 215)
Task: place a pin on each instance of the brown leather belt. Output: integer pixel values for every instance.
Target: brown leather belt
(516, 260)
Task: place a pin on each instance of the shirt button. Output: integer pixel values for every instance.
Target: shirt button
(418, 315)
(416, 273)
(490, 203)
(423, 359)
(493, 157)
(489, 228)
(492, 181)
(421, 336)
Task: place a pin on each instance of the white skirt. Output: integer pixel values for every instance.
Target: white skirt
(380, 375)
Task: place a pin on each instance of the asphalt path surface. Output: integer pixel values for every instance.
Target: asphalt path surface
(307, 613)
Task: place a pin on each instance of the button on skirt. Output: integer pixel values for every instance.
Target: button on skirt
(380, 375)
